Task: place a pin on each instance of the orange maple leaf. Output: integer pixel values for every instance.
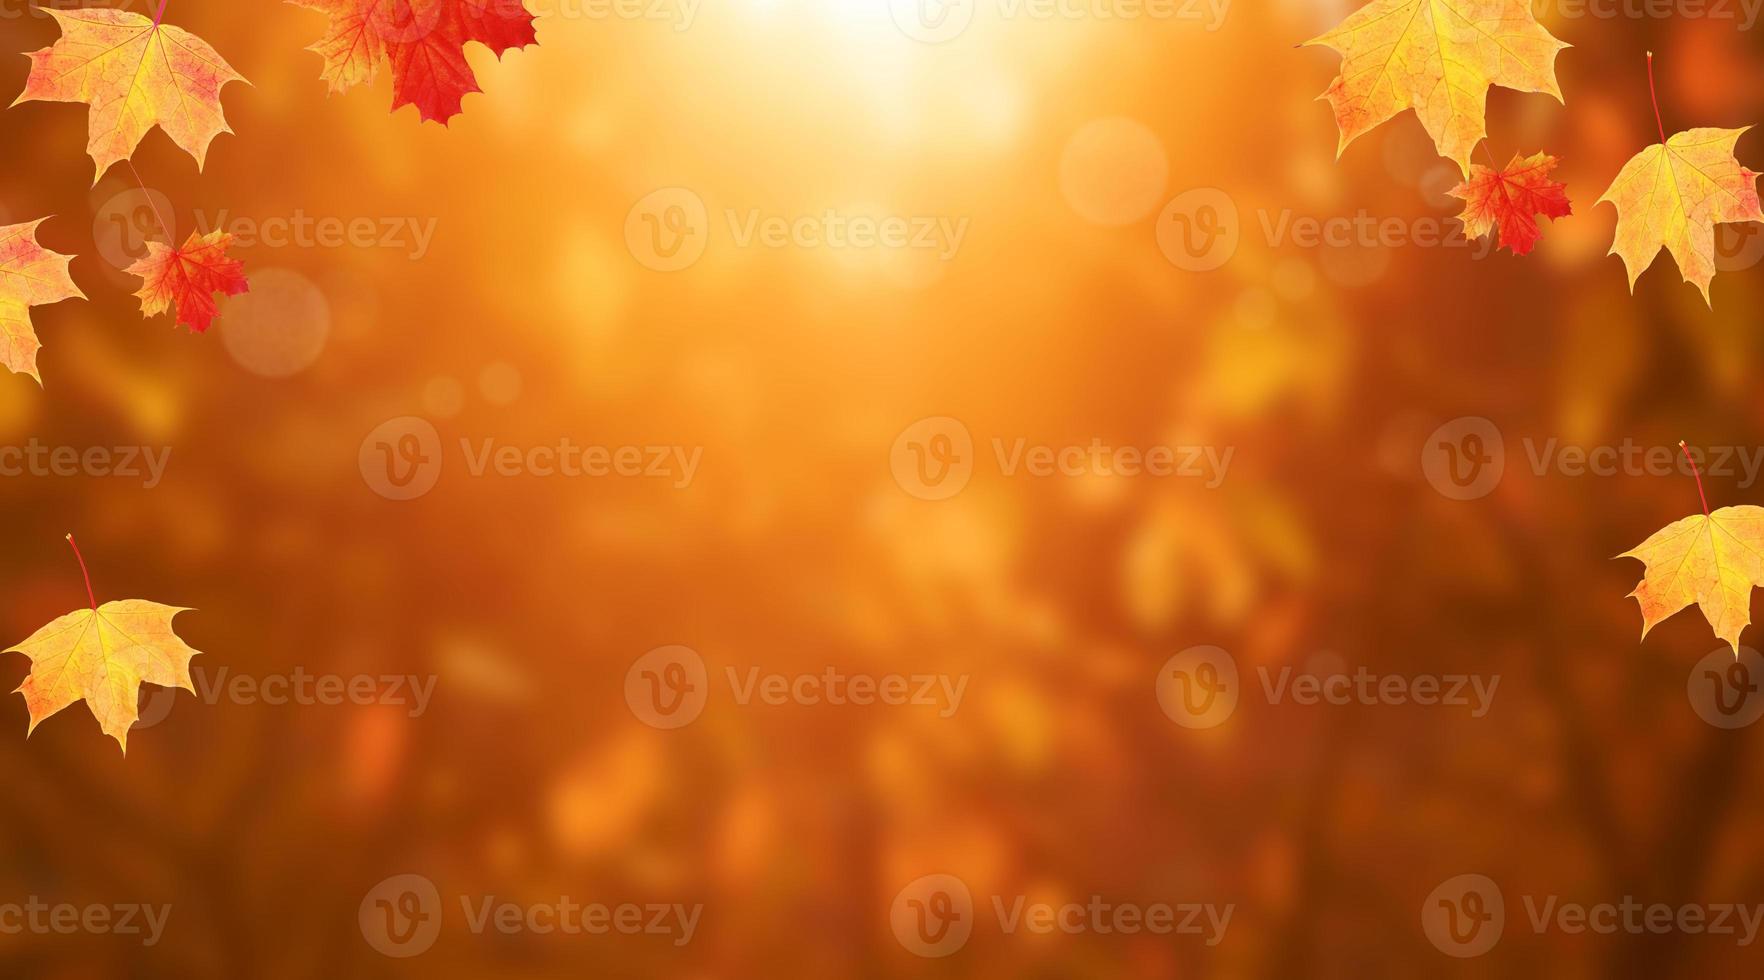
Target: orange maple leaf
(1511, 200)
(189, 277)
(422, 40)
(102, 655)
(135, 73)
(30, 275)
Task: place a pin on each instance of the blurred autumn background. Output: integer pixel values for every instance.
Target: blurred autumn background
(532, 316)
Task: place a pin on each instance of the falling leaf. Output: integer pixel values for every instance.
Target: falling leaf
(103, 654)
(1673, 194)
(134, 74)
(1713, 560)
(1438, 57)
(189, 277)
(1511, 200)
(30, 275)
(422, 40)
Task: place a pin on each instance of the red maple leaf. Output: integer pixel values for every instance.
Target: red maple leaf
(1511, 199)
(422, 40)
(189, 277)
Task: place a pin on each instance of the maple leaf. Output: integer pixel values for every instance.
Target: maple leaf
(1714, 560)
(135, 74)
(189, 277)
(1511, 199)
(30, 275)
(422, 40)
(1437, 57)
(103, 655)
(1672, 194)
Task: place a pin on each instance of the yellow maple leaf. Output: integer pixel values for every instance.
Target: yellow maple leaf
(103, 655)
(1672, 194)
(135, 74)
(30, 275)
(1714, 560)
(1437, 57)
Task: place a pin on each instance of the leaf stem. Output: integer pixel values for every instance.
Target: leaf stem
(93, 599)
(163, 227)
(161, 15)
(1699, 477)
(1652, 94)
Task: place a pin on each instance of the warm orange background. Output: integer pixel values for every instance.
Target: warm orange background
(794, 549)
